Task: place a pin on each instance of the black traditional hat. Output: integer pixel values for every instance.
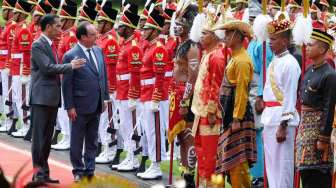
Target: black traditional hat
(130, 19)
(55, 4)
(91, 3)
(322, 36)
(68, 12)
(42, 8)
(155, 20)
(168, 14)
(8, 4)
(131, 7)
(70, 2)
(88, 14)
(107, 13)
(23, 7)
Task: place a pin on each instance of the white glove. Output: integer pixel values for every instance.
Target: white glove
(24, 79)
(6, 70)
(155, 106)
(132, 104)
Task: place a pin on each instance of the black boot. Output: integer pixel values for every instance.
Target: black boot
(99, 149)
(116, 159)
(142, 167)
(13, 127)
(54, 139)
(190, 180)
(28, 136)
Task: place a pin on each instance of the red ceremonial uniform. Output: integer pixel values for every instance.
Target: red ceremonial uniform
(35, 30)
(67, 41)
(153, 72)
(21, 47)
(170, 44)
(6, 38)
(123, 74)
(109, 42)
(205, 101)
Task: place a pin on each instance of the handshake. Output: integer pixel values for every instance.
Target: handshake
(77, 63)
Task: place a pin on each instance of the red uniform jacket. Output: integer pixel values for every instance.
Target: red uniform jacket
(67, 41)
(21, 46)
(109, 42)
(6, 38)
(35, 29)
(122, 69)
(153, 72)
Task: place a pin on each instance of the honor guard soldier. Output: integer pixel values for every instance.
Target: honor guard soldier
(6, 37)
(109, 41)
(20, 57)
(89, 12)
(152, 75)
(127, 109)
(68, 39)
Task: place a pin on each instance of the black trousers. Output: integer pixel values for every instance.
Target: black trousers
(315, 179)
(85, 128)
(43, 120)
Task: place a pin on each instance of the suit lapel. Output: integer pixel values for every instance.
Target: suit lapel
(44, 42)
(90, 64)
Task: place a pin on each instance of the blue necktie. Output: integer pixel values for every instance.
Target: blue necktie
(91, 59)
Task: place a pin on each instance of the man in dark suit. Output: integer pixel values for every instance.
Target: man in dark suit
(45, 93)
(85, 90)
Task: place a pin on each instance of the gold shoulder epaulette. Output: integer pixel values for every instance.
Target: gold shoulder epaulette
(158, 44)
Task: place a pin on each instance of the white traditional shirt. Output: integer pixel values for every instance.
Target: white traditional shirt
(281, 86)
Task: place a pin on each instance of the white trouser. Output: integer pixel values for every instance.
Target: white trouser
(63, 121)
(155, 134)
(17, 96)
(126, 124)
(4, 80)
(279, 157)
(164, 114)
(104, 136)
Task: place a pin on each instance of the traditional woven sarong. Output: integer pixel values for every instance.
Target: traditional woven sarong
(307, 155)
(238, 147)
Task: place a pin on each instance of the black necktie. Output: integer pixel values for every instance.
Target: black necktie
(91, 59)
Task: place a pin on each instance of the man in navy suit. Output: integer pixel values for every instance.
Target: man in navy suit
(85, 91)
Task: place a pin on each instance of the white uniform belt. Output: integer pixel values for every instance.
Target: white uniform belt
(169, 74)
(17, 56)
(149, 81)
(3, 52)
(123, 77)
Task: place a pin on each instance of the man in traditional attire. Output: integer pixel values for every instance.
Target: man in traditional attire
(255, 50)
(318, 95)
(109, 41)
(181, 89)
(280, 117)
(67, 40)
(237, 144)
(205, 103)
(242, 11)
(6, 37)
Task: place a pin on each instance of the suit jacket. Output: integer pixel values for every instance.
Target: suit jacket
(45, 81)
(85, 89)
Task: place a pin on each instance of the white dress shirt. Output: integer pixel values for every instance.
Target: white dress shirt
(286, 73)
(88, 56)
(48, 39)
